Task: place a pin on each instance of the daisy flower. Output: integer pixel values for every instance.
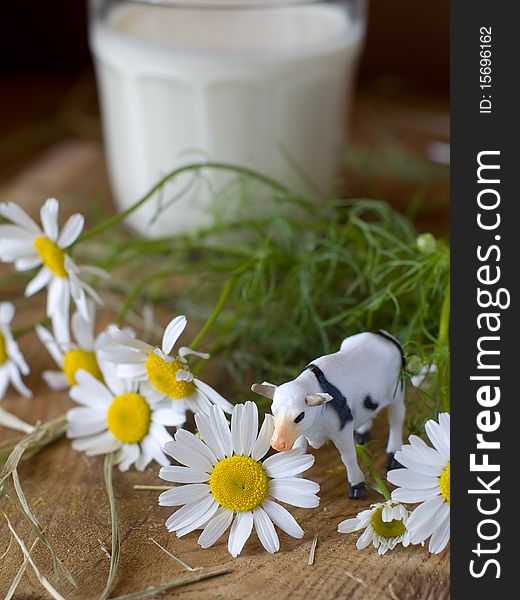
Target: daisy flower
(12, 362)
(117, 416)
(72, 356)
(160, 374)
(426, 479)
(228, 485)
(29, 246)
(385, 525)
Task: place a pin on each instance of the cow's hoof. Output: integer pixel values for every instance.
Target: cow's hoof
(357, 491)
(391, 463)
(362, 438)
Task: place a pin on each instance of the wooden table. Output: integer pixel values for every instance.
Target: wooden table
(67, 493)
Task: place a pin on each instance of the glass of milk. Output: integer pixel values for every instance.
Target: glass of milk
(265, 84)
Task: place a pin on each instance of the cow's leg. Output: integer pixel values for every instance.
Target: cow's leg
(344, 442)
(396, 414)
(362, 434)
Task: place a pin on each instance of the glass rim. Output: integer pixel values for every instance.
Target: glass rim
(237, 4)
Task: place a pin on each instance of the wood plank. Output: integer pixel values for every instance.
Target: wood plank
(67, 493)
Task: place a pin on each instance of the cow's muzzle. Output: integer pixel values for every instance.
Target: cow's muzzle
(284, 437)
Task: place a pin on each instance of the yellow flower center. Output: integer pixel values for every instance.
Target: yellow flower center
(80, 359)
(386, 529)
(239, 483)
(444, 483)
(52, 256)
(128, 417)
(163, 376)
(3, 349)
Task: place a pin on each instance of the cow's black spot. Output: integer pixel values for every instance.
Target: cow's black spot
(369, 404)
(338, 402)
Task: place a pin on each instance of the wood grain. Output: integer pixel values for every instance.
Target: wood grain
(66, 489)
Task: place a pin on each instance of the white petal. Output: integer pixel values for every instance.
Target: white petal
(134, 372)
(210, 434)
(161, 436)
(263, 441)
(184, 494)
(150, 450)
(4, 380)
(413, 495)
(27, 263)
(83, 414)
(296, 491)
(214, 396)
(172, 333)
(169, 417)
(119, 355)
(288, 464)
(122, 338)
(102, 443)
(14, 232)
(41, 279)
(77, 429)
(13, 351)
(197, 402)
(190, 454)
(365, 539)
(192, 515)
(438, 438)
(127, 456)
(13, 212)
(15, 250)
(71, 230)
(183, 351)
(240, 532)
(49, 218)
(183, 375)
(215, 528)
(265, 531)
(244, 427)
(222, 431)
(411, 479)
(422, 521)
(16, 380)
(349, 525)
(408, 459)
(177, 474)
(424, 453)
(79, 297)
(90, 391)
(52, 346)
(6, 312)
(83, 329)
(441, 536)
(281, 517)
(56, 380)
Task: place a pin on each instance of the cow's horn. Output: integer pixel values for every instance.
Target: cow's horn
(317, 399)
(264, 389)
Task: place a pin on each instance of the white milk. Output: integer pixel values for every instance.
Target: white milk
(249, 87)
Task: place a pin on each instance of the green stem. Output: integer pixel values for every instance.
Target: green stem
(443, 341)
(364, 455)
(117, 218)
(224, 295)
(136, 290)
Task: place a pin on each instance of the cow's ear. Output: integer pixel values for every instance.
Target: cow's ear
(264, 389)
(317, 399)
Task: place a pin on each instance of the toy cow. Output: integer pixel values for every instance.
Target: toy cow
(336, 397)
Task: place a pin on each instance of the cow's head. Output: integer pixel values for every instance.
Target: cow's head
(294, 410)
